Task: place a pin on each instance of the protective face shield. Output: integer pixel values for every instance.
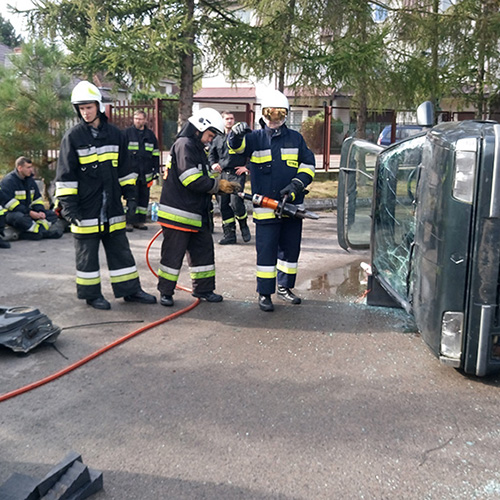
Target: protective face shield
(274, 108)
(274, 117)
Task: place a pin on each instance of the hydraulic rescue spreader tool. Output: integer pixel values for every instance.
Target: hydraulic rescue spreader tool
(280, 207)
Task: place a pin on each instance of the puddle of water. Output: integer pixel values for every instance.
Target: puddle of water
(345, 283)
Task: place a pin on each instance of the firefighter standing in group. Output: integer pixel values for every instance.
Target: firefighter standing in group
(144, 155)
(232, 168)
(184, 210)
(281, 166)
(93, 174)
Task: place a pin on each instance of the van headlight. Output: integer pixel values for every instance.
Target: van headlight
(465, 169)
(451, 334)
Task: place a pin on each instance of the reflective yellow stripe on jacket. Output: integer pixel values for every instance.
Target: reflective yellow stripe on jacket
(90, 226)
(190, 176)
(261, 156)
(66, 188)
(180, 216)
(86, 156)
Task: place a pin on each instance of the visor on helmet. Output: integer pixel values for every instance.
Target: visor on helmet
(274, 114)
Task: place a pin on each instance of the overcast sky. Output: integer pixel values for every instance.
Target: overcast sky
(16, 21)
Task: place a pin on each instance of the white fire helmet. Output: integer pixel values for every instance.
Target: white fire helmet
(85, 92)
(275, 108)
(207, 119)
(275, 99)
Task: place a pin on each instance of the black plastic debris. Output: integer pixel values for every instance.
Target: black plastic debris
(68, 480)
(22, 328)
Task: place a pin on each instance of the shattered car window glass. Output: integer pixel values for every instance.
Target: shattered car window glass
(359, 194)
(394, 214)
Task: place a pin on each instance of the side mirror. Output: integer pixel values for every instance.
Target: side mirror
(425, 114)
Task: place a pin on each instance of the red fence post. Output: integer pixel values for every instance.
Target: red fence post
(327, 129)
(108, 110)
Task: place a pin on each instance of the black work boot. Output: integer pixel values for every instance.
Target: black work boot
(265, 303)
(99, 303)
(229, 234)
(208, 296)
(245, 230)
(287, 295)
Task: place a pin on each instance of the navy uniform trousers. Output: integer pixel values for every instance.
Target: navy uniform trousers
(278, 249)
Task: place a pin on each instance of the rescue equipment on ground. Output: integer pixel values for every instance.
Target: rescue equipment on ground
(280, 207)
(22, 328)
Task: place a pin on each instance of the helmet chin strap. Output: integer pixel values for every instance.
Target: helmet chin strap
(92, 121)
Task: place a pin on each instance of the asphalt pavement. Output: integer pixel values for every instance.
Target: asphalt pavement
(330, 399)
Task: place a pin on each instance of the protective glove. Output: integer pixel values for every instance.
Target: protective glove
(71, 218)
(293, 189)
(131, 206)
(240, 129)
(229, 187)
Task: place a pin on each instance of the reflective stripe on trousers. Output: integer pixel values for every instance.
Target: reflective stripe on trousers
(199, 248)
(278, 249)
(123, 272)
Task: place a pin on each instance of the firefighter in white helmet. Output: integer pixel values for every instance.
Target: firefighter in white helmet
(92, 176)
(281, 166)
(184, 210)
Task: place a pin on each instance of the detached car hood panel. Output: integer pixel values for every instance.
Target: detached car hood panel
(22, 328)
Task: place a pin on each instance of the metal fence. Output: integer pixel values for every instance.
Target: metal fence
(324, 136)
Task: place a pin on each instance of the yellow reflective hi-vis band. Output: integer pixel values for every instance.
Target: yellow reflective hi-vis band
(201, 272)
(240, 149)
(125, 274)
(181, 216)
(87, 156)
(290, 154)
(267, 272)
(130, 179)
(88, 279)
(66, 188)
(306, 169)
(263, 156)
(263, 213)
(287, 267)
(190, 176)
(168, 273)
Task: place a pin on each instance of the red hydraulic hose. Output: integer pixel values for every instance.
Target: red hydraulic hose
(119, 341)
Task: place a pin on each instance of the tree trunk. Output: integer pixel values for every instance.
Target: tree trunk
(187, 69)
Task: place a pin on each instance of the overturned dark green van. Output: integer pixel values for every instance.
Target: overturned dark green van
(429, 209)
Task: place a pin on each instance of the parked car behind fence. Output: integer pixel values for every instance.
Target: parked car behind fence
(402, 132)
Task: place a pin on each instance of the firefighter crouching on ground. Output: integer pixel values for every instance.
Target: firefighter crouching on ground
(184, 209)
(144, 155)
(280, 165)
(3, 210)
(232, 168)
(25, 209)
(92, 176)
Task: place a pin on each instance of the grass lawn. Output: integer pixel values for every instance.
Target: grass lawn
(323, 189)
